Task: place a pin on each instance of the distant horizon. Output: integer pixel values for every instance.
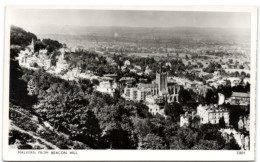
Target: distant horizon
(138, 26)
(28, 18)
(49, 28)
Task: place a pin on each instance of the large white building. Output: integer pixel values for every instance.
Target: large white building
(106, 87)
(212, 114)
(135, 93)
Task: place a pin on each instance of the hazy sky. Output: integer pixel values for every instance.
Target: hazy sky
(26, 18)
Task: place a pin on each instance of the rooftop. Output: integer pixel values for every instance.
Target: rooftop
(240, 94)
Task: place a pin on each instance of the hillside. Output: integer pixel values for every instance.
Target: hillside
(53, 112)
(20, 37)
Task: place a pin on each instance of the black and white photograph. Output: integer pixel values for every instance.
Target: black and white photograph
(144, 80)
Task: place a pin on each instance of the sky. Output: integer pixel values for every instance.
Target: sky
(31, 17)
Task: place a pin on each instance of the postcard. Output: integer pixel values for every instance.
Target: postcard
(115, 83)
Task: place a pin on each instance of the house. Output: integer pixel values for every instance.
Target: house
(203, 89)
(155, 104)
(242, 140)
(240, 123)
(135, 93)
(212, 114)
(186, 119)
(147, 71)
(156, 109)
(239, 98)
(244, 123)
(106, 87)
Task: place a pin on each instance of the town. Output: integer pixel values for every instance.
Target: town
(207, 94)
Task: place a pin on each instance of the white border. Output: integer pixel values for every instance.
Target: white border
(95, 155)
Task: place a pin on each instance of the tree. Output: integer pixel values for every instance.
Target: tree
(241, 67)
(38, 46)
(225, 90)
(95, 82)
(237, 74)
(230, 61)
(153, 142)
(176, 143)
(247, 87)
(88, 129)
(186, 57)
(212, 67)
(222, 123)
(195, 122)
(211, 97)
(209, 131)
(173, 110)
(21, 37)
(235, 111)
(18, 87)
(52, 45)
(232, 144)
(157, 125)
(184, 96)
(188, 136)
(143, 127)
(206, 145)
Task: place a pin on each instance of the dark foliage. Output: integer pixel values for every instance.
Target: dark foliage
(21, 37)
(51, 45)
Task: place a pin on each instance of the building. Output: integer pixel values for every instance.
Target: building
(147, 71)
(242, 140)
(61, 64)
(106, 87)
(186, 119)
(239, 98)
(212, 114)
(234, 81)
(244, 123)
(246, 80)
(154, 99)
(31, 46)
(201, 89)
(173, 92)
(28, 59)
(161, 80)
(221, 98)
(127, 63)
(240, 123)
(160, 87)
(113, 76)
(135, 93)
(155, 104)
(156, 109)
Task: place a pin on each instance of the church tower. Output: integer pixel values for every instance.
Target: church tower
(161, 80)
(32, 46)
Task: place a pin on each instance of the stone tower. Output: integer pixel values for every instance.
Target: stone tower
(161, 80)
(32, 46)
